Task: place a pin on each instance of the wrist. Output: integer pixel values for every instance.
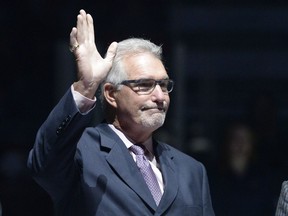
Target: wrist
(86, 89)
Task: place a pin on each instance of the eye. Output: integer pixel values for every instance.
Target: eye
(145, 84)
(163, 83)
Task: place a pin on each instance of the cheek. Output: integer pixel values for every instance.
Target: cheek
(127, 104)
(168, 100)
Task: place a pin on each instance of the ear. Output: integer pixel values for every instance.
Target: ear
(109, 91)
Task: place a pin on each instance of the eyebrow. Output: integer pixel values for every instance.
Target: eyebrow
(145, 77)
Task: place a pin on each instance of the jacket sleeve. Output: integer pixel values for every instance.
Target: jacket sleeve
(51, 159)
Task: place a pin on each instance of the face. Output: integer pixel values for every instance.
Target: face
(142, 112)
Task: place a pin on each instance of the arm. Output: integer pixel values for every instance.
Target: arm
(52, 158)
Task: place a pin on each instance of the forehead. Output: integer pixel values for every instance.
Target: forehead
(144, 65)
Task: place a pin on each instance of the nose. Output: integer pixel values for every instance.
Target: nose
(158, 94)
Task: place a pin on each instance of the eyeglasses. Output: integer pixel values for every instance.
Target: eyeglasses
(146, 86)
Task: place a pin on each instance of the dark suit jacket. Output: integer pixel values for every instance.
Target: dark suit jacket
(89, 171)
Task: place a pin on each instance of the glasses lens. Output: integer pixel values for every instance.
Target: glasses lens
(145, 85)
(170, 85)
(166, 85)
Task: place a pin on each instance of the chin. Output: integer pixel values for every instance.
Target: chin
(153, 122)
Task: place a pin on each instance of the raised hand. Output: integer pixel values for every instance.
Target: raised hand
(92, 68)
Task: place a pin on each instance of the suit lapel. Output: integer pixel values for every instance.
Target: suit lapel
(169, 174)
(124, 165)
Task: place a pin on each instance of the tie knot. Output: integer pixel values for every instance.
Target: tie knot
(138, 149)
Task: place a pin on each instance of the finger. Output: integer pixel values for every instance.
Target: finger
(74, 45)
(82, 11)
(73, 36)
(81, 26)
(90, 25)
(111, 52)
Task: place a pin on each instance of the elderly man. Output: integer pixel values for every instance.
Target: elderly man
(116, 168)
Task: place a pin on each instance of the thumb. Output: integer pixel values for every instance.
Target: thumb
(111, 52)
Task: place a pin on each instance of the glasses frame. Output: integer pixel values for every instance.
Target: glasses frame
(132, 84)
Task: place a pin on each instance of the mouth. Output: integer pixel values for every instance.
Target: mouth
(160, 108)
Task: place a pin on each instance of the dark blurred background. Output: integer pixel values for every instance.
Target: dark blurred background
(229, 109)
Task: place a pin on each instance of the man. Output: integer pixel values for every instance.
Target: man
(92, 170)
(282, 206)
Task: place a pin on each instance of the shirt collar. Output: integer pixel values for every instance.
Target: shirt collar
(128, 142)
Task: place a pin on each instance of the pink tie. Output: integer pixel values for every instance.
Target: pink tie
(147, 172)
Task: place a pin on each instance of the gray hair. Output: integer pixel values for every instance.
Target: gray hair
(126, 48)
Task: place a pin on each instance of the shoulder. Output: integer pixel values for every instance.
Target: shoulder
(285, 186)
(284, 190)
(282, 206)
(101, 134)
(100, 130)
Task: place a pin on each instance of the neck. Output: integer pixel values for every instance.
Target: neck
(148, 143)
(135, 134)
